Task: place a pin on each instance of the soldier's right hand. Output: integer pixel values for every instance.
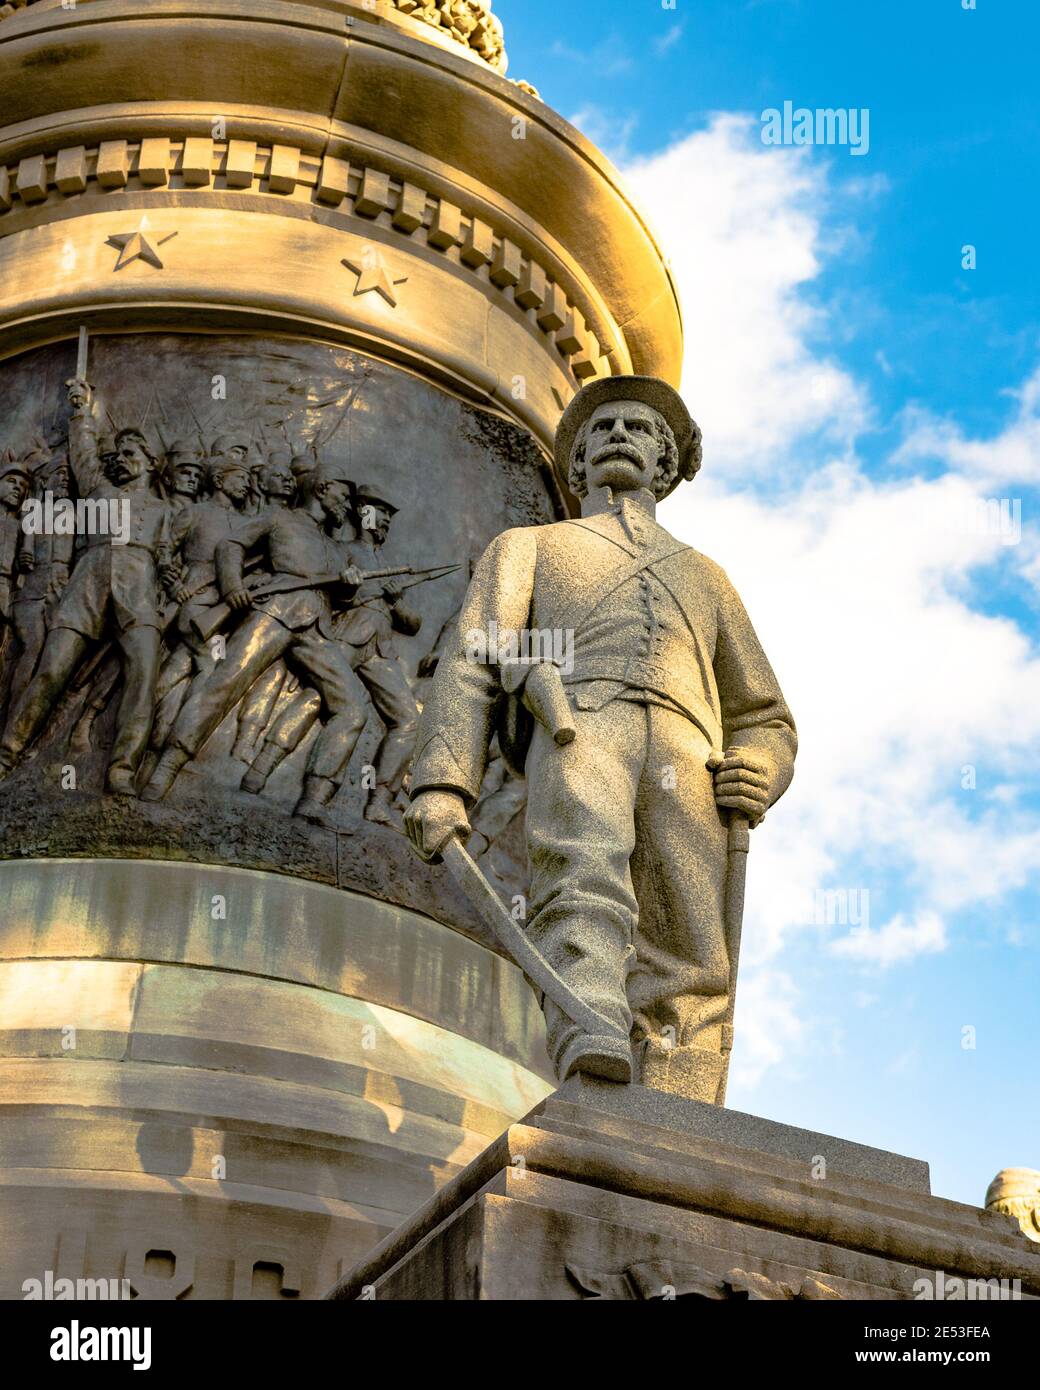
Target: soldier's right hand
(431, 820)
(352, 577)
(239, 599)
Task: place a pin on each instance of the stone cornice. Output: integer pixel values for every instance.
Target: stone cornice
(294, 76)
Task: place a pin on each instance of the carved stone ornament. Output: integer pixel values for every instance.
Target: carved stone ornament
(667, 1280)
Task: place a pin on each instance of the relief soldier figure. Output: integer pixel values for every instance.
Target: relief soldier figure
(676, 720)
(14, 489)
(278, 487)
(299, 543)
(365, 629)
(185, 474)
(115, 591)
(45, 561)
(368, 627)
(197, 530)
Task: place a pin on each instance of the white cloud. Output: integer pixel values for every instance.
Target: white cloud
(1011, 460)
(743, 225)
(769, 1025)
(863, 591)
(897, 940)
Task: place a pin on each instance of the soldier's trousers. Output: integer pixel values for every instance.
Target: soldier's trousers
(62, 653)
(385, 680)
(386, 683)
(255, 647)
(628, 861)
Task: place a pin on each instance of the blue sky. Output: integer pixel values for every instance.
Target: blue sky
(861, 393)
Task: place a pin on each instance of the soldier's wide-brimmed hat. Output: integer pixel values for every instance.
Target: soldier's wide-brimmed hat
(372, 492)
(649, 390)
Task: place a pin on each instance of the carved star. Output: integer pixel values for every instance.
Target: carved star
(143, 244)
(372, 274)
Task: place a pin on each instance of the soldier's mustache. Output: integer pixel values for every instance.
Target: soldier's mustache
(627, 451)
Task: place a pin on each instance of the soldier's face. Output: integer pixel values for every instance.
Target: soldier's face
(56, 480)
(14, 489)
(375, 520)
(235, 482)
(277, 481)
(130, 461)
(622, 449)
(335, 501)
(187, 479)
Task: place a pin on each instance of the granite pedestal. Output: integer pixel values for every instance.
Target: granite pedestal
(618, 1192)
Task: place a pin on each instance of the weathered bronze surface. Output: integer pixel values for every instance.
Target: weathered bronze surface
(456, 475)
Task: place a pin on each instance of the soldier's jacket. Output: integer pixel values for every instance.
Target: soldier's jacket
(296, 544)
(123, 571)
(197, 531)
(369, 623)
(50, 554)
(672, 633)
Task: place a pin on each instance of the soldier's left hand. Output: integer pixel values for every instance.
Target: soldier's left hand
(742, 779)
(352, 577)
(392, 591)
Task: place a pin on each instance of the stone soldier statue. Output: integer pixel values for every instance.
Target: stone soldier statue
(299, 543)
(115, 590)
(45, 561)
(679, 722)
(365, 629)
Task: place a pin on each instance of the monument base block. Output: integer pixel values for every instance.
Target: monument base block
(618, 1192)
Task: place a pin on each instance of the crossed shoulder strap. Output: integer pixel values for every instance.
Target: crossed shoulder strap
(638, 561)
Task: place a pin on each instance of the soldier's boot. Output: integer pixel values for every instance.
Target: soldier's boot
(165, 774)
(609, 1058)
(382, 811)
(313, 805)
(697, 1073)
(270, 757)
(121, 782)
